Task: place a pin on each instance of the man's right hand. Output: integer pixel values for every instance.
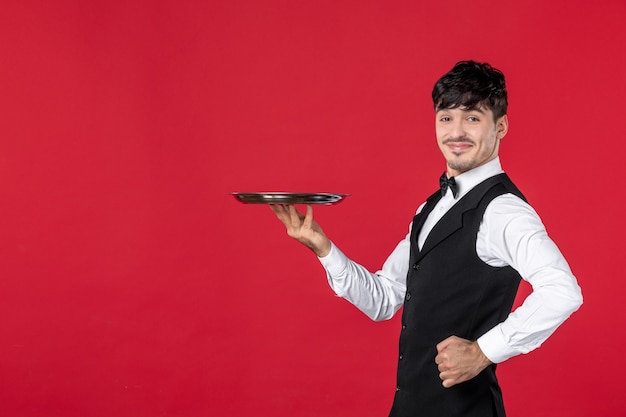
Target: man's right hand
(303, 228)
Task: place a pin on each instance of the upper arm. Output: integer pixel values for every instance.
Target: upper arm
(515, 234)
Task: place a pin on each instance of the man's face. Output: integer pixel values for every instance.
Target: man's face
(468, 138)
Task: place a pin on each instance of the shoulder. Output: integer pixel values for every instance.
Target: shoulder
(509, 209)
(511, 231)
(508, 201)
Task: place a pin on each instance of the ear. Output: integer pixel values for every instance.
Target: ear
(502, 127)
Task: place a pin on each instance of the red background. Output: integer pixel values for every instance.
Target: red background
(132, 284)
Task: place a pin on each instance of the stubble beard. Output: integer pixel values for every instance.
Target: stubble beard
(461, 166)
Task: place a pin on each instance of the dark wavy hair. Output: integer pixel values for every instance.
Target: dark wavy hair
(471, 85)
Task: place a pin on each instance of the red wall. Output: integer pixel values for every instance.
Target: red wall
(132, 284)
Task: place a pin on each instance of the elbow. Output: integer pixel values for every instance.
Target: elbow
(385, 312)
(574, 300)
(380, 316)
(578, 302)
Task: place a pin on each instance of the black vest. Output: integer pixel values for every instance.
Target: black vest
(451, 291)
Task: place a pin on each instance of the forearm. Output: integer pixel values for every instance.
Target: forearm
(542, 312)
(378, 295)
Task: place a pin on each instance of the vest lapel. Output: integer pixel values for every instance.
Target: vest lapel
(420, 218)
(444, 228)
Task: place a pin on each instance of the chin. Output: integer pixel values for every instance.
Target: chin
(461, 166)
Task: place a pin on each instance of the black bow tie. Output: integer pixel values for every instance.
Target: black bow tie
(445, 182)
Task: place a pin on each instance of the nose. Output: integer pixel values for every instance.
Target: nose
(457, 128)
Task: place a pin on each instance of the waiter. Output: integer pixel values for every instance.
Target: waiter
(457, 271)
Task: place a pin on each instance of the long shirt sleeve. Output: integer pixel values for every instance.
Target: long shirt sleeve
(512, 234)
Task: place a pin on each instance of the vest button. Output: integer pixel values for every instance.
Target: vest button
(401, 356)
(416, 266)
(408, 296)
(397, 389)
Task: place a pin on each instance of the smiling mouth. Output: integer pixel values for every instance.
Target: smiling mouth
(458, 146)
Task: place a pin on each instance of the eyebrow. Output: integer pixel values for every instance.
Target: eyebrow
(478, 109)
(464, 109)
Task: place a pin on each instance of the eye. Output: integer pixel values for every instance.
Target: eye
(444, 119)
(473, 119)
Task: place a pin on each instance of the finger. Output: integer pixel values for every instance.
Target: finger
(277, 208)
(448, 378)
(443, 378)
(448, 383)
(282, 211)
(445, 343)
(295, 216)
(308, 219)
(443, 364)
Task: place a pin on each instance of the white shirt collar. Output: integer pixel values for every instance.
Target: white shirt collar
(470, 179)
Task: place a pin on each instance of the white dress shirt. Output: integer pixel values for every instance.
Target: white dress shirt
(511, 233)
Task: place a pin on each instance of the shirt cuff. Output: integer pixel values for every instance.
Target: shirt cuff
(335, 262)
(495, 347)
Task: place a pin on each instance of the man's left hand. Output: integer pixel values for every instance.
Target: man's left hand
(459, 360)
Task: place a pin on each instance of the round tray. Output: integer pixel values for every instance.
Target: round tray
(289, 198)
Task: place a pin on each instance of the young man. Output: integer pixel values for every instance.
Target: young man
(457, 271)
